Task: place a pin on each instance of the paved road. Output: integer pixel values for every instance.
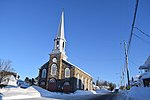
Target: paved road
(107, 96)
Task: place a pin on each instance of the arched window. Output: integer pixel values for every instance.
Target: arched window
(67, 73)
(66, 83)
(85, 84)
(53, 69)
(63, 45)
(52, 80)
(42, 83)
(91, 85)
(44, 73)
(78, 77)
(82, 84)
(57, 44)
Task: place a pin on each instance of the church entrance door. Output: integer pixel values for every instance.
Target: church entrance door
(66, 87)
(52, 85)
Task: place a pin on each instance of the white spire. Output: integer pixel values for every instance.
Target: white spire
(60, 32)
(59, 41)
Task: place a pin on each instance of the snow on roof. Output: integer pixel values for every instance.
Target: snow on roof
(78, 68)
(146, 65)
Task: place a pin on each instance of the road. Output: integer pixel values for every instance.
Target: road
(106, 96)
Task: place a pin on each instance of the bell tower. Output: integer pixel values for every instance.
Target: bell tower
(60, 41)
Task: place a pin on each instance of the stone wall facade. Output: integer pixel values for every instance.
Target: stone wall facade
(78, 79)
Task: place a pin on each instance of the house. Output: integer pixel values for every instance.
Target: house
(8, 78)
(145, 77)
(58, 74)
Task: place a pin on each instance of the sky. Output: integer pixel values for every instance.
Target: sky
(94, 30)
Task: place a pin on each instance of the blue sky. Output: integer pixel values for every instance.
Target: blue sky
(94, 30)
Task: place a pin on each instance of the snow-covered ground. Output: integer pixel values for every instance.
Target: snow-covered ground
(36, 92)
(15, 92)
(135, 93)
(102, 91)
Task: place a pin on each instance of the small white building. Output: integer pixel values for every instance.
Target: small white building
(142, 79)
(9, 80)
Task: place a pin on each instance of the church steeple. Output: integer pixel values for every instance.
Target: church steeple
(60, 32)
(60, 41)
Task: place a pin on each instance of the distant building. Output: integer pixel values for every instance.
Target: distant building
(142, 79)
(8, 78)
(58, 74)
(146, 75)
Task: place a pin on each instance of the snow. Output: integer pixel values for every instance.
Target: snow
(102, 91)
(17, 93)
(139, 93)
(37, 92)
(82, 92)
(135, 93)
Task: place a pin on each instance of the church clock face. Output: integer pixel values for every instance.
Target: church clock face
(54, 60)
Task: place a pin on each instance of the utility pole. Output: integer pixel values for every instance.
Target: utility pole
(126, 62)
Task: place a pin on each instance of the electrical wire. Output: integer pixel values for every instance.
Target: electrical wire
(142, 32)
(130, 38)
(141, 39)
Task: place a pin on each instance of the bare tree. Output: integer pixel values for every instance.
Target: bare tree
(5, 65)
(5, 68)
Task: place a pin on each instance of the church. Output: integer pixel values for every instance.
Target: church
(58, 74)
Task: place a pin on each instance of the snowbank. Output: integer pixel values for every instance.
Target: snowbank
(37, 92)
(19, 93)
(139, 93)
(135, 93)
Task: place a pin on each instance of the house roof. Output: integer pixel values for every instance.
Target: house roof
(146, 65)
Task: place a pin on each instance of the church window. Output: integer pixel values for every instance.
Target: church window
(82, 84)
(67, 73)
(52, 80)
(85, 84)
(42, 83)
(63, 45)
(57, 43)
(53, 69)
(91, 85)
(44, 73)
(78, 80)
(88, 84)
(66, 83)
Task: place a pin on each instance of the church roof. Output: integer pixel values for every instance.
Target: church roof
(45, 65)
(67, 62)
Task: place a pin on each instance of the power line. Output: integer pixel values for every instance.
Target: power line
(142, 32)
(142, 39)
